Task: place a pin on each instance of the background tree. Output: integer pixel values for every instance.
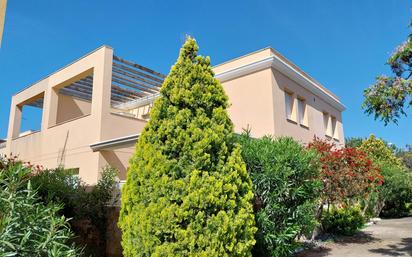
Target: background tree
(389, 96)
(187, 191)
(405, 154)
(353, 141)
(379, 151)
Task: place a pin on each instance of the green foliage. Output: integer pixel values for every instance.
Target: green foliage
(78, 201)
(353, 142)
(388, 97)
(379, 152)
(27, 226)
(348, 174)
(343, 221)
(396, 192)
(187, 191)
(406, 156)
(286, 189)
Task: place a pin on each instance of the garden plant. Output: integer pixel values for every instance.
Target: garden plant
(188, 192)
(350, 179)
(286, 187)
(29, 228)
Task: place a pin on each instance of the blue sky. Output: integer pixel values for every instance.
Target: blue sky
(343, 44)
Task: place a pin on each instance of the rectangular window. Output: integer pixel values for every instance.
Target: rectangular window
(326, 124)
(289, 102)
(303, 120)
(334, 132)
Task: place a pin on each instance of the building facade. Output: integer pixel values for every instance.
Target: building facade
(94, 108)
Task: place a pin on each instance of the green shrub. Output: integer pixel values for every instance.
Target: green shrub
(343, 221)
(379, 152)
(28, 227)
(396, 192)
(78, 201)
(187, 191)
(286, 189)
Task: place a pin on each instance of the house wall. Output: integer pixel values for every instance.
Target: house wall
(257, 97)
(69, 108)
(251, 103)
(315, 107)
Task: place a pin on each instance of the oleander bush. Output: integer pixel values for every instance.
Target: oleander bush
(286, 187)
(187, 191)
(29, 227)
(345, 220)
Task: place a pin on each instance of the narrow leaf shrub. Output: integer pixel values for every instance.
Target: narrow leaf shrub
(343, 221)
(27, 226)
(286, 189)
(187, 191)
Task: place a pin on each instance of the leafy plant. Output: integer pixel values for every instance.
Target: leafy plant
(379, 152)
(27, 226)
(78, 201)
(343, 221)
(389, 96)
(286, 187)
(348, 174)
(187, 191)
(396, 193)
(353, 142)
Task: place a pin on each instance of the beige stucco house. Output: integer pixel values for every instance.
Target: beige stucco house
(94, 108)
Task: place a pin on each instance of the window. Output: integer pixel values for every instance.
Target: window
(303, 120)
(326, 124)
(334, 131)
(289, 105)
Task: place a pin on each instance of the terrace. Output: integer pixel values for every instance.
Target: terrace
(97, 98)
(133, 90)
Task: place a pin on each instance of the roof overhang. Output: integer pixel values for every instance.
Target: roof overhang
(287, 69)
(115, 143)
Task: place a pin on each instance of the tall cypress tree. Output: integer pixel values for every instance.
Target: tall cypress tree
(187, 191)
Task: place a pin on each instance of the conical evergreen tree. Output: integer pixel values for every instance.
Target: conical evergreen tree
(187, 191)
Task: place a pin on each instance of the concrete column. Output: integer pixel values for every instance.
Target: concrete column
(14, 124)
(102, 83)
(15, 120)
(100, 110)
(51, 99)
